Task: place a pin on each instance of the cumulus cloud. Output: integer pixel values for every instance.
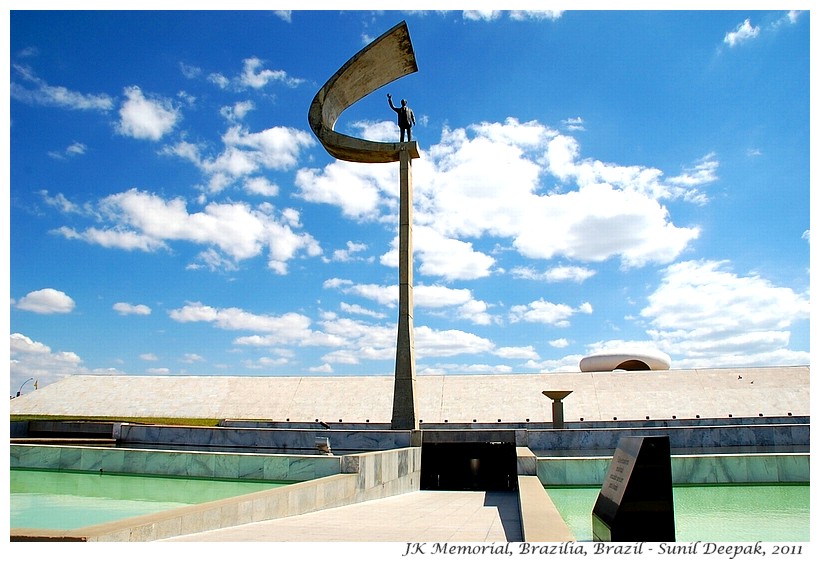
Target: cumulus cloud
(744, 32)
(526, 352)
(55, 96)
(245, 154)
(289, 328)
(144, 118)
(30, 358)
(711, 316)
(352, 340)
(359, 190)
(441, 256)
(489, 180)
(350, 253)
(237, 111)
(125, 309)
(254, 76)
(232, 231)
(545, 312)
(46, 301)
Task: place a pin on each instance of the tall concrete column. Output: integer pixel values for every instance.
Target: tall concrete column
(389, 57)
(405, 414)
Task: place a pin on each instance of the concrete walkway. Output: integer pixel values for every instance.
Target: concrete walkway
(424, 516)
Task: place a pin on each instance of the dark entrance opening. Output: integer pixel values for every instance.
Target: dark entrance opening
(469, 466)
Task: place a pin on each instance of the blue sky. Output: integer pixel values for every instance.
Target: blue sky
(588, 180)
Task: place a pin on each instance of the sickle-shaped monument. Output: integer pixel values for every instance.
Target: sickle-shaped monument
(384, 60)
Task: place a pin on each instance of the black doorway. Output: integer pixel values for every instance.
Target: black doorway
(469, 466)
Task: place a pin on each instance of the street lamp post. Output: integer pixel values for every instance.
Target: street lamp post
(22, 385)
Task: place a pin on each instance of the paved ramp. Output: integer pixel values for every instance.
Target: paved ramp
(424, 516)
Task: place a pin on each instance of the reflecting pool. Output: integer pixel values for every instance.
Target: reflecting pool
(737, 512)
(42, 499)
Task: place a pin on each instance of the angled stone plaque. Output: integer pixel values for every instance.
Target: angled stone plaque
(635, 502)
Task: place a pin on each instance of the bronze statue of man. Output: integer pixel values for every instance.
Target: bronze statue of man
(406, 119)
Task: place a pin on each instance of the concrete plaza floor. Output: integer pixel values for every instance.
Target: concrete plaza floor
(424, 516)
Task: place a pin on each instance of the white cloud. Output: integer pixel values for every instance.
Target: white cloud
(61, 202)
(325, 368)
(246, 153)
(124, 309)
(112, 238)
(706, 315)
(31, 358)
(448, 343)
(236, 231)
(256, 77)
(573, 124)
(284, 15)
(559, 343)
(458, 303)
(555, 274)
(441, 256)
(359, 190)
(357, 309)
(261, 186)
(189, 71)
(488, 180)
(148, 357)
(144, 118)
(466, 368)
(485, 15)
(349, 254)
(237, 111)
(56, 96)
(791, 16)
(288, 328)
(47, 301)
(526, 352)
(521, 15)
(72, 150)
(545, 312)
(219, 79)
(744, 32)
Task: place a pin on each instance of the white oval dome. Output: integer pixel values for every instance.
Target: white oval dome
(626, 359)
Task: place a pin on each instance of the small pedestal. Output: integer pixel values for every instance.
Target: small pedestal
(557, 406)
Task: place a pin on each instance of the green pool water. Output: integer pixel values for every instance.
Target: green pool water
(732, 513)
(70, 500)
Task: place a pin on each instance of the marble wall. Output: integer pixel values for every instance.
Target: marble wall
(195, 464)
(697, 437)
(261, 438)
(686, 469)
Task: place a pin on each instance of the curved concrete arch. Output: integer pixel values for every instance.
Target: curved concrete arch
(386, 59)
